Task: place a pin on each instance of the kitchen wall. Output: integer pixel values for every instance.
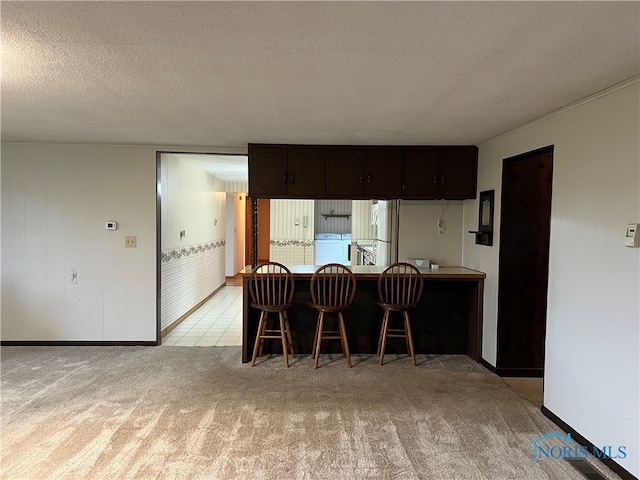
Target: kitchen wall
(291, 241)
(332, 224)
(419, 231)
(193, 266)
(55, 202)
(592, 364)
(362, 225)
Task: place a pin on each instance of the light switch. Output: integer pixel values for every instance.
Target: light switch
(130, 241)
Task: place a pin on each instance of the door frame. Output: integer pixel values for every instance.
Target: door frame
(510, 371)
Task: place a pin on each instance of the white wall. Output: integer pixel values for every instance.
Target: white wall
(419, 231)
(592, 377)
(333, 224)
(55, 202)
(236, 225)
(193, 267)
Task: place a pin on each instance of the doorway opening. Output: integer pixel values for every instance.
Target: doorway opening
(524, 263)
(201, 209)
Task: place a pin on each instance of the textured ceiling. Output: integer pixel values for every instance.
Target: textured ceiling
(229, 73)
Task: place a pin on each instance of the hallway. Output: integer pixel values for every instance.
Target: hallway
(217, 323)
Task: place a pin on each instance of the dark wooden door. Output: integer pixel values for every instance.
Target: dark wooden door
(345, 172)
(420, 173)
(458, 172)
(524, 263)
(307, 169)
(383, 173)
(267, 170)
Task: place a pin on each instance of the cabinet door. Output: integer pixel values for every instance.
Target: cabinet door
(383, 173)
(345, 172)
(267, 171)
(458, 172)
(307, 168)
(420, 173)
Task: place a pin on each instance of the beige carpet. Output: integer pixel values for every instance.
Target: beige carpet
(199, 413)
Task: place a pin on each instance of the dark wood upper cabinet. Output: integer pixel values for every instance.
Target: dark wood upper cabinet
(307, 171)
(458, 172)
(345, 172)
(440, 172)
(278, 171)
(268, 171)
(368, 172)
(383, 173)
(420, 175)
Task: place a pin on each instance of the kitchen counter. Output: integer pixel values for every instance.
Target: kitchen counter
(448, 319)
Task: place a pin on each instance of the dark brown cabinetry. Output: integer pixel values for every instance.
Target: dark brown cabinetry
(268, 170)
(440, 172)
(368, 172)
(307, 170)
(286, 172)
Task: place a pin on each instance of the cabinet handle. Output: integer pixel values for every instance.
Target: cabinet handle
(442, 179)
(284, 178)
(293, 178)
(361, 180)
(435, 179)
(369, 179)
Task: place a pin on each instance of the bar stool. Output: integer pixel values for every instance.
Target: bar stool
(271, 289)
(399, 289)
(332, 289)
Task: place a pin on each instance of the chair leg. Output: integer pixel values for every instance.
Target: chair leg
(283, 337)
(263, 332)
(318, 340)
(289, 336)
(381, 332)
(258, 335)
(407, 327)
(343, 339)
(385, 327)
(315, 337)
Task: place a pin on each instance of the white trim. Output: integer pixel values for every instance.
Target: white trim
(582, 101)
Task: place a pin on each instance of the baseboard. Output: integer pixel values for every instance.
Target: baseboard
(488, 366)
(182, 317)
(80, 343)
(513, 372)
(615, 466)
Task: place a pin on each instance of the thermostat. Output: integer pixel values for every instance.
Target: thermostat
(631, 238)
(111, 225)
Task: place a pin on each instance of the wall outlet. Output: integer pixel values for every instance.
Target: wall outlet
(73, 276)
(442, 231)
(130, 241)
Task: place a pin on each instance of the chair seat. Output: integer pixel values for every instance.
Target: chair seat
(395, 307)
(271, 308)
(330, 308)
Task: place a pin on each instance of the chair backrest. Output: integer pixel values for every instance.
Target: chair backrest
(400, 284)
(333, 285)
(271, 285)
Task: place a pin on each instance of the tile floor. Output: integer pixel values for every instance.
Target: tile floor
(217, 323)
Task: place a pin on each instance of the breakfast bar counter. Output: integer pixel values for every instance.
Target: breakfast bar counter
(447, 320)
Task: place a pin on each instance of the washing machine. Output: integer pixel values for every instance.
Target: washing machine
(328, 248)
